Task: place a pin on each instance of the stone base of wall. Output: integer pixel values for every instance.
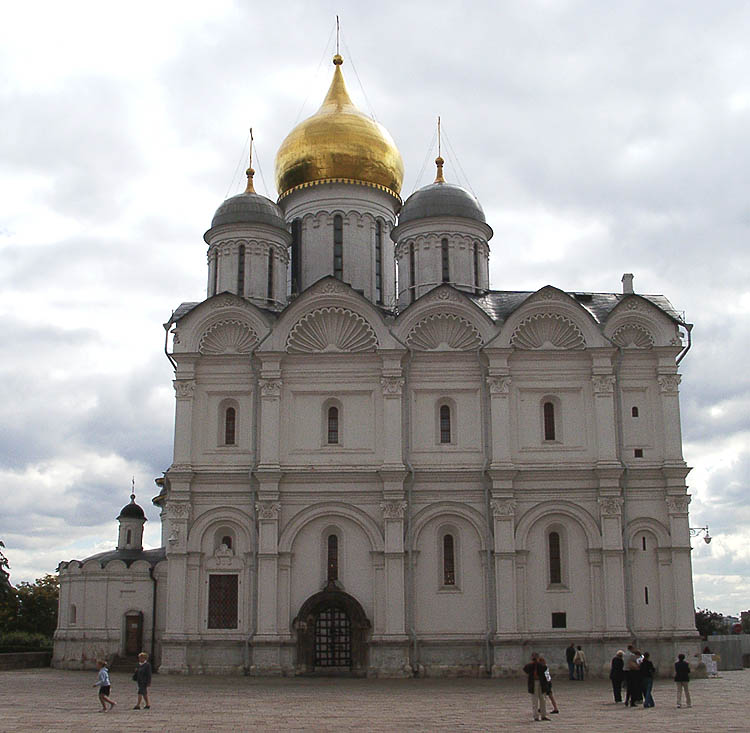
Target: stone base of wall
(25, 660)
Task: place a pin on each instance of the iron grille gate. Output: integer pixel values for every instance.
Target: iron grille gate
(333, 639)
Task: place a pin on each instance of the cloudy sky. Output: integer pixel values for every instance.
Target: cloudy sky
(601, 138)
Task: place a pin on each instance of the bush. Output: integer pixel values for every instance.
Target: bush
(24, 641)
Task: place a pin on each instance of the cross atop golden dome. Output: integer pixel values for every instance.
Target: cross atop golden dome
(339, 144)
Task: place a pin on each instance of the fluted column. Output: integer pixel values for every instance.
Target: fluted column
(503, 512)
(613, 576)
(268, 558)
(393, 520)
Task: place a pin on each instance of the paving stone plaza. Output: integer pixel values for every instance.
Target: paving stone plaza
(59, 700)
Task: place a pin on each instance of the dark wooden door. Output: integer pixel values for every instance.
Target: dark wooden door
(333, 639)
(133, 633)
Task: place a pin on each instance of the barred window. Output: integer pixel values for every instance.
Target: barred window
(333, 557)
(412, 274)
(269, 288)
(230, 426)
(222, 601)
(559, 620)
(379, 261)
(555, 562)
(296, 256)
(449, 560)
(333, 425)
(476, 266)
(445, 424)
(216, 272)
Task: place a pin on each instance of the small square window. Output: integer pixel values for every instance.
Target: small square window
(559, 621)
(638, 453)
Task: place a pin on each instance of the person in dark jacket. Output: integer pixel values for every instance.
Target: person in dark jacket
(143, 677)
(536, 683)
(682, 679)
(647, 680)
(570, 654)
(617, 674)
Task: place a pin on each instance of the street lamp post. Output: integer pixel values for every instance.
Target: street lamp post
(696, 532)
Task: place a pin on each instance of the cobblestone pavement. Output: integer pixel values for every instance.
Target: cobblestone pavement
(56, 700)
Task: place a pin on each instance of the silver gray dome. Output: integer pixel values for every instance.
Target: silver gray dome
(249, 208)
(441, 199)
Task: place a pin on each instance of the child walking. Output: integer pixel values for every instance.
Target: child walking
(102, 682)
(143, 677)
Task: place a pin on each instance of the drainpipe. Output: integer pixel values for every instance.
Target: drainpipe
(489, 527)
(166, 342)
(683, 353)
(153, 617)
(620, 454)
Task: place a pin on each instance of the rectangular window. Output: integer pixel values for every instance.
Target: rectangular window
(445, 261)
(222, 601)
(449, 560)
(645, 594)
(476, 266)
(559, 621)
(216, 272)
(379, 262)
(241, 271)
(638, 453)
(555, 561)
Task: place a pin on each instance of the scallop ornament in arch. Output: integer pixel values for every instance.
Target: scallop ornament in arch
(632, 336)
(547, 331)
(444, 332)
(331, 329)
(228, 337)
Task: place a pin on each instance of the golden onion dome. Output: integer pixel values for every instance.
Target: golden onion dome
(339, 144)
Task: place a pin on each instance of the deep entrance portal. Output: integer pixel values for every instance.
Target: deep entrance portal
(333, 639)
(332, 632)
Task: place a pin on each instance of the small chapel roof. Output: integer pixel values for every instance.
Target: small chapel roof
(127, 556)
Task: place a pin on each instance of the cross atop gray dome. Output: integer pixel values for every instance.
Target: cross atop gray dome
(248, 208)
(132, 510)
(441, 199)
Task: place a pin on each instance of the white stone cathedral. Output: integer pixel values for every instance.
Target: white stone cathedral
(384, 467)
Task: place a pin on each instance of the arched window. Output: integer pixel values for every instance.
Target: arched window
(449, 560)
(227, 540)
(555, 558)
(216, 272)
(338, 247)
(634, 412)
(269, 286)
(73, 614)
(332, 563)
(296, 256)
(476, 266)
(128, 537)
(549, 421)
(445, 424)
(241, 271)
(445, 261)
(333, 425)
(379, 261)
(412, 274)
(230, 426)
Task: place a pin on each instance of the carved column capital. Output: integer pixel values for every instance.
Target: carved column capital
(184, 388)
(499, 385)
(393, 509)
(392, 386)
(678, 504)
(503, 507)
(268, 509)
(604, 384)
(610, 506)
(669, 383)
(270, 387)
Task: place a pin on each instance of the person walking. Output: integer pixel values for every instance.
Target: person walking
(580, 662)
(547, 686)
(632, 677)
(682, 679)
(535, 674)
(570, 653)
(647, 680)
(142, 676)
(617, 674)
(103, 683)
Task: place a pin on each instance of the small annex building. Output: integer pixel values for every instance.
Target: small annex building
(384, 467)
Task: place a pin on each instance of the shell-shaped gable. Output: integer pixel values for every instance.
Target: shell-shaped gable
(228, 336)
(444, 332)
(331, 329)
(636, 323)
(633, 336)
(547, 331)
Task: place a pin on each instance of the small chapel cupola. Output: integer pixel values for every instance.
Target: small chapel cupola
(442, 237)
(339, 175)
(248, 247)
(132, 519)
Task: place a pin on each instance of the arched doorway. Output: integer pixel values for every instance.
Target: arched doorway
(332, 633)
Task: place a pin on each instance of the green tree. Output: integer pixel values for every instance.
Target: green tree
(8, 601)
(709, 622)
(5, 587)
(37, 605)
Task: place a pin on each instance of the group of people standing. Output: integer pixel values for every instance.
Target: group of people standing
(632, 669)
(142, 676)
